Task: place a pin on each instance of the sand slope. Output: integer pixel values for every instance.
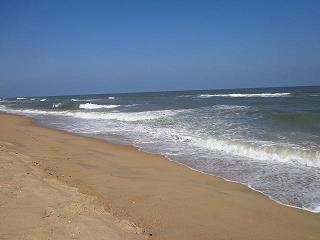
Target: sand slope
(35, 205)
(153, 196)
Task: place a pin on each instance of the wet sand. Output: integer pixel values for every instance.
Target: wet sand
(56, 185)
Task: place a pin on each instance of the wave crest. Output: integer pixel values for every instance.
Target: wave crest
(96, 106)
(259, 152)
(245, 95)
(120, 116)
(56, 105)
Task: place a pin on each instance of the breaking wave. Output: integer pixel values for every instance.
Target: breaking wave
(284, 154)
(245, 95)
(96, 106)
(120, 116)
(56, 105)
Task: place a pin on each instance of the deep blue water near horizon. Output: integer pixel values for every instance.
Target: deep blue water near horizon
(265, 138)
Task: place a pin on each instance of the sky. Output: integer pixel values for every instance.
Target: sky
(82, 47)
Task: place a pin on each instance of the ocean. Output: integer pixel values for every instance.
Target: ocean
(265, 138)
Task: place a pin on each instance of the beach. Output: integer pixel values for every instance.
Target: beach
(57, 185)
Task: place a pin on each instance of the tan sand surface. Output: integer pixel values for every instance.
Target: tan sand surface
(56, 185)
(34, 205)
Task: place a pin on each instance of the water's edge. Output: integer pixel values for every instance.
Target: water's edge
(37, 123)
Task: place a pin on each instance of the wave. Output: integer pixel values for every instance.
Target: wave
(245, 95)
(120, 116)
(266, 151)
(185, 96)
(56, 105)
(43, 100)
(25, 111)
(229, 107)
(206, 95)
(84, 100)
(111, 97)
(259, 152)
(96, 106)
(20, 98)
(32, 99)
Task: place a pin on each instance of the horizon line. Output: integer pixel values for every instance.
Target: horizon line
(162, 91)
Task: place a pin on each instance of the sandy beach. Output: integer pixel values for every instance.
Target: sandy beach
(56, 185)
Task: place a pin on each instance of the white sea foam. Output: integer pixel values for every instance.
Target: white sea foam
(32, 99)
(111, 97)
(56, 105)
(206, 95)
(120, 116)
(245, 95)
(96, 106)
(260, 152)
(20, 98)
(132, 105)
(42, 100)
(25, 111)
(82, 100)
(315, 210)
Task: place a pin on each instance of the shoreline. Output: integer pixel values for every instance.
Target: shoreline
(316, 210)
(132, 177)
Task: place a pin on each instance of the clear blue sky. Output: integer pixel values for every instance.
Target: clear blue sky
(71, 47)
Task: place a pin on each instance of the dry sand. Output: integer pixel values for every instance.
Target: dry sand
(56, 185)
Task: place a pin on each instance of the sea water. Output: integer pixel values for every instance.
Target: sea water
(266, 138)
